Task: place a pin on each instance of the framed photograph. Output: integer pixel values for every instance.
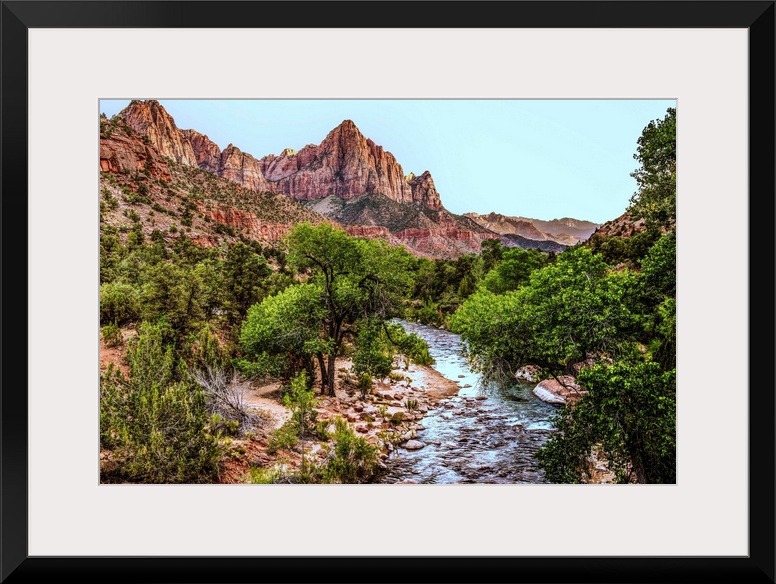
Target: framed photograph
(84, 87)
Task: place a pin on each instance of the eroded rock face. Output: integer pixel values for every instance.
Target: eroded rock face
(206, 152)
(239, 220)
(149, 118)
(424, 191)
(346, 164)
(243, 169)
(120, 153)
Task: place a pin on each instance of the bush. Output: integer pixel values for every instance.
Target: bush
(155, 421)
(111, 334)
(287, 436)
(364, 385)
(118, 304)
(353, 459)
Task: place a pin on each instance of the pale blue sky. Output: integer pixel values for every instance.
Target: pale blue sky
(542, 159)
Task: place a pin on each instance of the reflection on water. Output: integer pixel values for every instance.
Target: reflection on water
(470, 439)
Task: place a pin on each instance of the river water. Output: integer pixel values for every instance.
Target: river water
(470, 439)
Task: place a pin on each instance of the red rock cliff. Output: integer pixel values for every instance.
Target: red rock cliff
(120, 152)
(149, 118)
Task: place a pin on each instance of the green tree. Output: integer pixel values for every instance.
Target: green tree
(118, 303)
(374, 354)
(655, 199)
(244, 279)
(284, 331)
(358, 279)
(302, 403)
(514, 269)
(629, 414)
(571, 310)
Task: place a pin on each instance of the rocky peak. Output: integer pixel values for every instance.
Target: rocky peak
(243, 169)
(424, 191)
(149, 118)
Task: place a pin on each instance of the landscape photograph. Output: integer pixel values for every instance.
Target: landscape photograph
(367, 291)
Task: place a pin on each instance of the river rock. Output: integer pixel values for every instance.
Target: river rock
(414, 445)
(558, 391)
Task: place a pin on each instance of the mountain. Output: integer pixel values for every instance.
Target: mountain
(564, 231)
(147, 192)
(346, 178)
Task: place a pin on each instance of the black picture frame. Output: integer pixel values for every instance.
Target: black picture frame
(19, 16)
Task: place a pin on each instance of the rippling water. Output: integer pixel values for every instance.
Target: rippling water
(471, 440)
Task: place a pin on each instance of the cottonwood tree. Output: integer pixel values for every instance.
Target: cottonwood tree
(346, 280)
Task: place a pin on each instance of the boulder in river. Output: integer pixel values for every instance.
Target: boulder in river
(414, 445)
(558, 391)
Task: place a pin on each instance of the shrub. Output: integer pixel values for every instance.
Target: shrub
(118, 304)
(352, 460)
(155, 421)
(264, 476)
(287, 436)
(111, 334)
(364, 385)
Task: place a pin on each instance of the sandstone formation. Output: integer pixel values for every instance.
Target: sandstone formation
(207, 152)
(243, 169)
(120, 153)
(245, 220)
(149, 118)
(347, 164)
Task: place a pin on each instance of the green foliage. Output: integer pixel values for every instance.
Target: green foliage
(264, 476)
(118, 303)
(358, 280)
(244, 275)
(111, 334)
(440, 286)
(353, 460)
(514, 269)
(373, 356)
(287, 436)
(364, 385)
(155, 421)
(630, 412)
(302, 403)
(284, 330)
(569, 311)
(410, 345)
(655, 199)
(411, 404)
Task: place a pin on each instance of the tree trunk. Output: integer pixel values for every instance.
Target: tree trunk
(332, 371)
(324, 377)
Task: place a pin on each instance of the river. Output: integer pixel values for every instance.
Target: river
(470, 439)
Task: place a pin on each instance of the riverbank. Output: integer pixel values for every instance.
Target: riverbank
(390, 416)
